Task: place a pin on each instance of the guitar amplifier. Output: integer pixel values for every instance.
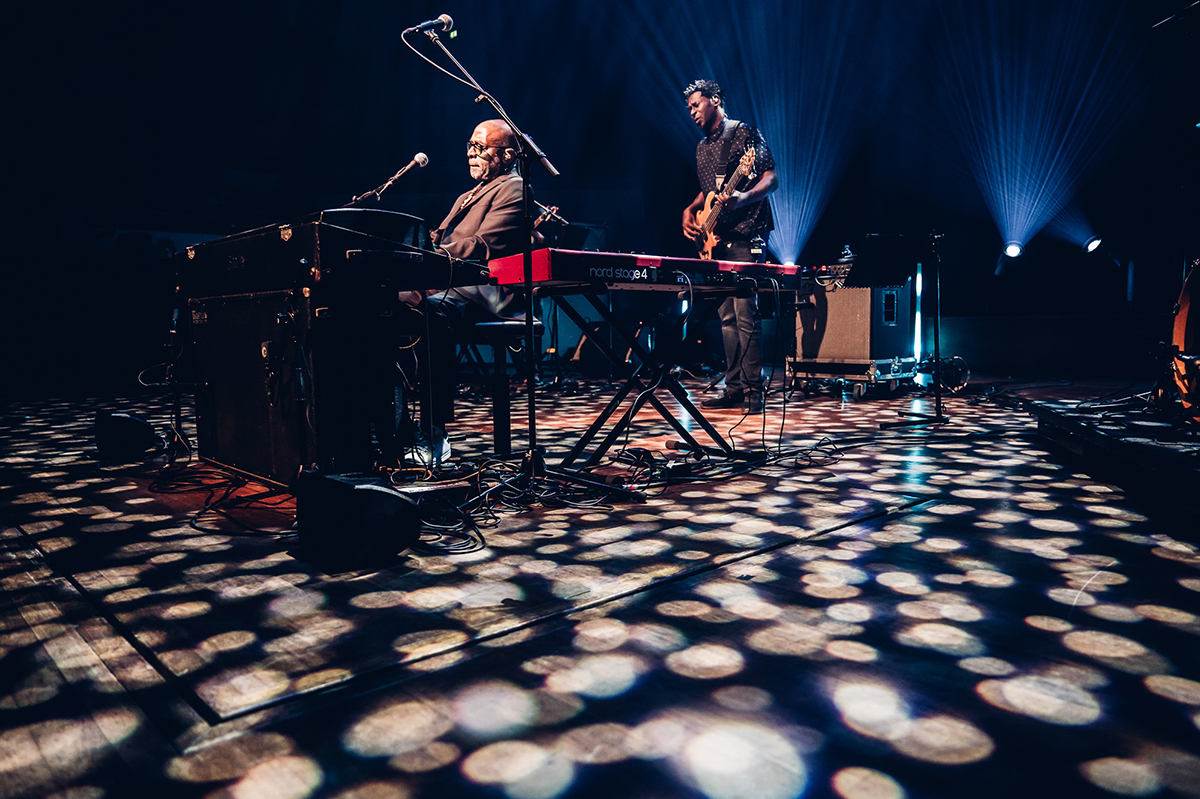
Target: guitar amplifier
(863, 333)
(856, 323)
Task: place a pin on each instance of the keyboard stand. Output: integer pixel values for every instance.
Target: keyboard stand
(652, 374)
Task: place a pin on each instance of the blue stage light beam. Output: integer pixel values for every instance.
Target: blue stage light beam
(812, 75)
(666, 39)
(819, 73)
(1071, 224)
(1038, 93)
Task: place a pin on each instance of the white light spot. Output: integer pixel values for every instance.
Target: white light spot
(597, 676)
(1119, 776)
(706, 661)
(494, 709)
(853, 612)
(742, 760)
(872, 710)
(864, 783)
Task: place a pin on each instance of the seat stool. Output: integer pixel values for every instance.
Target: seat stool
(498, 335)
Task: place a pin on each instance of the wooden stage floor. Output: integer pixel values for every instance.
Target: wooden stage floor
(966, 610)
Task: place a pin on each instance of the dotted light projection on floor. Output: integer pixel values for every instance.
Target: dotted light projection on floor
(809, 74)
(1036, 94)
(836, 614)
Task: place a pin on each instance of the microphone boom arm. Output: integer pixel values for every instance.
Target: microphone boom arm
(525, 145)
(419, 160)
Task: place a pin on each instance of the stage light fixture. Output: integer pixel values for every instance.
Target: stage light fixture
(1038, 94)
(1013, 249)
(1071, 224)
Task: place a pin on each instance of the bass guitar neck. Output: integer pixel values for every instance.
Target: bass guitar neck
(714, 203)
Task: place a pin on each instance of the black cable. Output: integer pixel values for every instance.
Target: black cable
(403, 38)
(220, 491)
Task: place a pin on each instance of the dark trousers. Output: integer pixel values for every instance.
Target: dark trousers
(426, 357)
(435, 323)
(741, 327)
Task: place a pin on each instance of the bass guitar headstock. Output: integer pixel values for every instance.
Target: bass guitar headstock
(746, 165)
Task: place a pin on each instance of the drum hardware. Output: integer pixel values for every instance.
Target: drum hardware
(1184, 371)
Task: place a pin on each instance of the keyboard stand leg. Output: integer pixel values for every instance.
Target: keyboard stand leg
(658, 363)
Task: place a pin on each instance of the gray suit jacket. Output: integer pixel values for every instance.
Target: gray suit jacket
(488, 227)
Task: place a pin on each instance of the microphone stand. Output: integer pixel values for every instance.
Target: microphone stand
(376, 192)
(939, 416)
(533, 465)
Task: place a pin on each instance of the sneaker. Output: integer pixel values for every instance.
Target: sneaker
(422, 454)
(754, 402)
(729, 399)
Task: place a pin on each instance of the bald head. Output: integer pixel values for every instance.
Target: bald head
(497, 131)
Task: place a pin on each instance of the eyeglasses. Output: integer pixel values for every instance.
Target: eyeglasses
(477, 148)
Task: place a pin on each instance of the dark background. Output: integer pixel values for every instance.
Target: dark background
(144, 126)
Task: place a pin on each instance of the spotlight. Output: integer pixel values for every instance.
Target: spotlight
(1013, 249)
(1091, 244)
(1031, 141)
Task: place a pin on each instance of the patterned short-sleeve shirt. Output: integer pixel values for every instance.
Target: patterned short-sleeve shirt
(751, 220)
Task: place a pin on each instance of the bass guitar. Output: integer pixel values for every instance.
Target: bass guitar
(706, 241)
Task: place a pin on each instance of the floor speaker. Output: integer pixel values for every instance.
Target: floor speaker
(349, 523)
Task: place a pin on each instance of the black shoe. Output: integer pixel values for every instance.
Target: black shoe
(754, 402)
(729, 399)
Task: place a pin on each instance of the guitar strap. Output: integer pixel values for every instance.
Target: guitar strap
(726, 146)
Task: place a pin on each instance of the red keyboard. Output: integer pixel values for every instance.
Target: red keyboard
(632, 271)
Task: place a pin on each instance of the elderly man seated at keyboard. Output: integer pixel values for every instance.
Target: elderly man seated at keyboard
(485, 222)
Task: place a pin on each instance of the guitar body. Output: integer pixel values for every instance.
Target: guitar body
(706, 241)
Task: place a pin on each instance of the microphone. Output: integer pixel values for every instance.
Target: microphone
(444, 22)
(418, 160)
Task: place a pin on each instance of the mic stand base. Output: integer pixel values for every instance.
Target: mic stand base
(939, 416)
(914, 419)
(533, 468)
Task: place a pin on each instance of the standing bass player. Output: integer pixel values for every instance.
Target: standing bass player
(729, 221)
